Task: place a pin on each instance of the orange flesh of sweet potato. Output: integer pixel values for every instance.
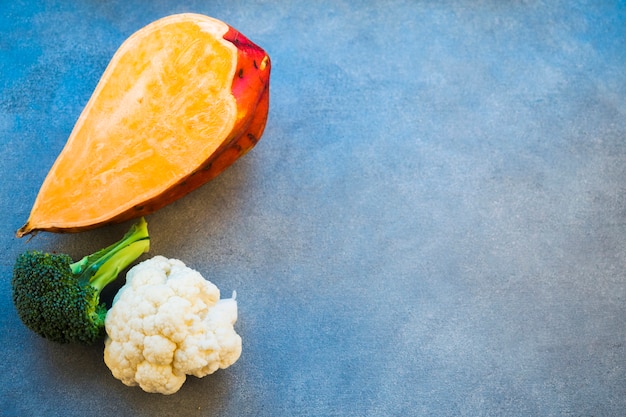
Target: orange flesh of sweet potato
(180, 101)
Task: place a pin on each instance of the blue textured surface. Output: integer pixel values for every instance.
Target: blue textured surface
(434, 222)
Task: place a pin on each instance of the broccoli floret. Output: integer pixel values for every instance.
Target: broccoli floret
(60, 299)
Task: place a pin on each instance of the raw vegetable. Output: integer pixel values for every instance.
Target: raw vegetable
(60, 299)
(180, 101)
(168, 322)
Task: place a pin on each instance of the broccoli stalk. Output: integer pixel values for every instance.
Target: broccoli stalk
(60, 299)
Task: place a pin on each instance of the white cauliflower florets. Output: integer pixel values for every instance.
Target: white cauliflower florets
(168, 322)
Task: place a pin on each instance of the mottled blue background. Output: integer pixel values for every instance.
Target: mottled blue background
(434, 223)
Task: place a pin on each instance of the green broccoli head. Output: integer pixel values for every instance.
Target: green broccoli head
(60, 299)
(51, 300)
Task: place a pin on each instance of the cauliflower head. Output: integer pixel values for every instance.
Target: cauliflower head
(168, 322)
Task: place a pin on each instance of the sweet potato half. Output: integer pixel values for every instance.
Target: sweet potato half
(180, 101)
